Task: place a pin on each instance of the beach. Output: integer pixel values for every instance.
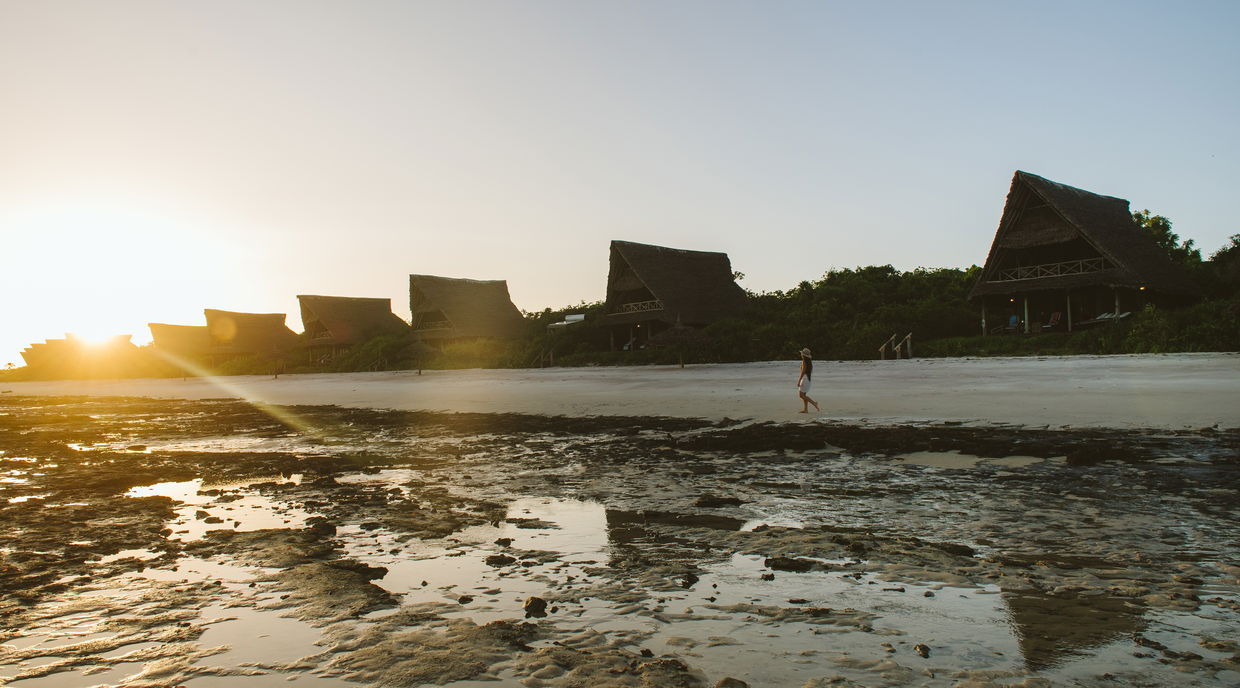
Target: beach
(989, 523)
(1140, 391)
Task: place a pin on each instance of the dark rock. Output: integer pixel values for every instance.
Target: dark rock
(464, 599)
(729, 682)
(798, 600)
(796, 564)
(504, 542)
(536, 607)
(957, 549)
(768, 576)
(646, 653)
(213, 519)
(500, 560)
(320, 526)
(923, 650)
(371, 525)
(713, 501)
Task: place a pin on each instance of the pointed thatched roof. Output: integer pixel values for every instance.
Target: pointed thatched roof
(248, 333)
(690, 287)
(1042, 214)
(347, 320)
(451, 308)
(182, 340)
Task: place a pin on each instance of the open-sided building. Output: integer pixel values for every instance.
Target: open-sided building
(651, 288)
(445, 308)
(336, 322)
(1064, 257)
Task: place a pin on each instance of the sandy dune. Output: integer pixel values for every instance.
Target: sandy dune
(1150, 391)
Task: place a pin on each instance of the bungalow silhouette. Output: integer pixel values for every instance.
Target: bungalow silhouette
(334, 323)
(653, 288)
(1064, 257)
(450, 308)
(227, 334)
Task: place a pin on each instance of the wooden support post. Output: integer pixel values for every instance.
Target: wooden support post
(1026, 300)
(1069, 311)
(1116, 290)
(983, 317)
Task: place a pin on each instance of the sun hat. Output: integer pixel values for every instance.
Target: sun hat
(805, 352)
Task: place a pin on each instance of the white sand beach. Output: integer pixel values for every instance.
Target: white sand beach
(1140, 391)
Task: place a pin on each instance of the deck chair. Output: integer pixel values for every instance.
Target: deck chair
(1053, 322)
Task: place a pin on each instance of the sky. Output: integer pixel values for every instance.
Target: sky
(159, 158)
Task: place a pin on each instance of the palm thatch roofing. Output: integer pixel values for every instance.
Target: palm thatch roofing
(648, 282)
(248, 333)
(73, 351)
(1042, 216)
(182, 340)
(452, 308)
(347, 320)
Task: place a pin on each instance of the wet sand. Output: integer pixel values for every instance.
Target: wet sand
(1173, 391)
(217, 543)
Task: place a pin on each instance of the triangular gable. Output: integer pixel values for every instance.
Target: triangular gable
(346, 320)
(451, 307)
(1042, 213)
(694, 287)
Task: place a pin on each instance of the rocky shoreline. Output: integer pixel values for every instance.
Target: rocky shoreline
(142, 538)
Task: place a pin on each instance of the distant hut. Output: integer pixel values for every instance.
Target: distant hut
(338, 322)
(248, 333)
(181, 340)
(446, 308)
(74, 357)
(227, 335)
(653, 288)
(1064, 257)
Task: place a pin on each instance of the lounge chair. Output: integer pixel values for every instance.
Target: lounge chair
(1053, 322)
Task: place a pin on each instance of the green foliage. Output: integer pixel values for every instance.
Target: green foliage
(1159, 227)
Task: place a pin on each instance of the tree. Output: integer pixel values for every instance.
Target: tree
(1159, 227)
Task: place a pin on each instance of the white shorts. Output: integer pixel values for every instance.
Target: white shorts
(805, 385)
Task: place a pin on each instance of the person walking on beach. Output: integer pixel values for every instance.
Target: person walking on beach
(805, 380)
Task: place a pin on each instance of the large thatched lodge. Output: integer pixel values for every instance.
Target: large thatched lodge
(450, 308)
(1064, 258)
(653, 288)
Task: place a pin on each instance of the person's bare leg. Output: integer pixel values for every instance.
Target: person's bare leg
(817, 408)
(804, 403)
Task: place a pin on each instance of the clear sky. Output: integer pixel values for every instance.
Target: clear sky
(158, 158)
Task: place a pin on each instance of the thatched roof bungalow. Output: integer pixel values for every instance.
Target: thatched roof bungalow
(226, 334)
(180, 340)
(341, 321)
(446, 308)
(248, 333)
(74, 357)
(651, 288)
(1063, 256)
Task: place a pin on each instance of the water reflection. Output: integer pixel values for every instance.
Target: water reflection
(1053, 629)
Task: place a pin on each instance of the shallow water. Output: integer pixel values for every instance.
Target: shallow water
(267, 555)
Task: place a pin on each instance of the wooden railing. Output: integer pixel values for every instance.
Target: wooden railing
(434, 325)
(1069, 267)
(901, 349)
(640, 306)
